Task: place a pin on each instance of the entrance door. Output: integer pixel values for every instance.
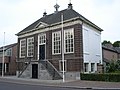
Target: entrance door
(41, 52)
(34, 70)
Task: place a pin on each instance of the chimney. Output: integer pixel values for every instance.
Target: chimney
(70, 5)
(44, 14)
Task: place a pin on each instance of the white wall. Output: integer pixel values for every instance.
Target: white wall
(92, 50)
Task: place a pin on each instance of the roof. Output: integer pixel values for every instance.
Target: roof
(113, 49)
(7, 47)
(56, 18)
(117, 49)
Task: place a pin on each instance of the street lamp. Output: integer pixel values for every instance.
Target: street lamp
(63, 61)
(3, 57)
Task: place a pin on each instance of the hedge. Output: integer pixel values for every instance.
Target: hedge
(101, 77)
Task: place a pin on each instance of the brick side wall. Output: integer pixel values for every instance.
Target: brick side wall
(110, 55)
(12, 63)
(49, 45)
(6, 59)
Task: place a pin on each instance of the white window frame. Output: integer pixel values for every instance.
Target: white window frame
(61, 66)
(57, 46)
(41, 39)
(68, 31)
(8, 52)
(22, 47)
(31, 45)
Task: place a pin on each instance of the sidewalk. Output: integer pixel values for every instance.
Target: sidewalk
(67, 84)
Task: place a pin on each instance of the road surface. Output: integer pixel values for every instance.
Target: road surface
(14, 86)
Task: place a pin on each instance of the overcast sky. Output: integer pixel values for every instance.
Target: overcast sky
(15, 15)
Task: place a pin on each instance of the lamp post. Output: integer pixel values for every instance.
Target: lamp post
(3, 57)
(63, 61)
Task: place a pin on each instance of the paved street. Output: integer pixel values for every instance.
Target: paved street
(14, 83)
(13, 86)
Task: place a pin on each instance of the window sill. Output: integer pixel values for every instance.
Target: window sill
(57, 54)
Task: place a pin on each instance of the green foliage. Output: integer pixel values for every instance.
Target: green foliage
(116, 44)
(106, 42)
(113, 67)
(109, 77)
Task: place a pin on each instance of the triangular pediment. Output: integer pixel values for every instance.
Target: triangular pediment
(41, 24)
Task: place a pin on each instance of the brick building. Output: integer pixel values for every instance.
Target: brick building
(40, 46)
(110, 53)
(10, 53)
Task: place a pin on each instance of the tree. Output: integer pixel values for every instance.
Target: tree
(106, 42)
(116, 44)
(118, 65)
(111, 67)
(114, 66)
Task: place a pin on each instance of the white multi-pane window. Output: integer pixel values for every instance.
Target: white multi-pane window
(30, 47)
(69, 41)
(56, 40)
(42, 39)
(22, 48)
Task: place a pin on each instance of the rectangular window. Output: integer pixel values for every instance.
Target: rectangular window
(1, 54)
(92, 67)
(6, 67)
(61, 65)
(0, 67)
(30, 47)
(56, 42)
(86, 67)
(42, 39)
(22, 48)
(9, 52)
(69, 41)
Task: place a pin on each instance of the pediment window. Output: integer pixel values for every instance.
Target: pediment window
(41, 24)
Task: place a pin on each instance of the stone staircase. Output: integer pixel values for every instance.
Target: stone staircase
(51, 70)
(24, 67)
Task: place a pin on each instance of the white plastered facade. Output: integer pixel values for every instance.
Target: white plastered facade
(92, 51)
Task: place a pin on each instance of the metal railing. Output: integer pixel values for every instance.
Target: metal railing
(51, 69)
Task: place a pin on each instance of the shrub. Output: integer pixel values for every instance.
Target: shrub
(113, 77)
(113, 66)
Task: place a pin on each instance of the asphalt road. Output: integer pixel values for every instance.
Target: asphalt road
(13, 86)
